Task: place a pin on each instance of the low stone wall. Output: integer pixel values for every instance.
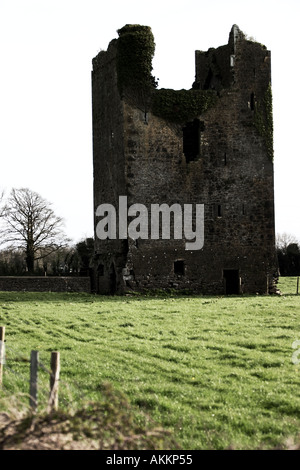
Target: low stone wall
(45, 284)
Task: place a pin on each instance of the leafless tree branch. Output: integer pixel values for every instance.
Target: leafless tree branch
(31, 224)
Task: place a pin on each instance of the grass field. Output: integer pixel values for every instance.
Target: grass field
(215, 371)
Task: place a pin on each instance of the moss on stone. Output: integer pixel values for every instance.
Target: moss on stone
(263, 120)
(182, 105)
(135, 51)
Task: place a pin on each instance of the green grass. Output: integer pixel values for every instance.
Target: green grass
(215, 371)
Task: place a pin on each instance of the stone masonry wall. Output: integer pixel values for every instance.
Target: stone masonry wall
(45, 284)
(109, 164)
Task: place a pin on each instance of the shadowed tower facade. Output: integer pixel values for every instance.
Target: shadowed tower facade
(211, 145)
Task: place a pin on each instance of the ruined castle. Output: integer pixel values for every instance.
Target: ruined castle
(209, 147)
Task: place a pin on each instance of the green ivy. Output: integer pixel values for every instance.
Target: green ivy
(182, 105)
(135, 51)
(263, 120)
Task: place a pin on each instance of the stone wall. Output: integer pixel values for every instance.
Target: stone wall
(45, 284)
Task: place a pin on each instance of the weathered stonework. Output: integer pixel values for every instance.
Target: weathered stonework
(210, 145)
(45, 284)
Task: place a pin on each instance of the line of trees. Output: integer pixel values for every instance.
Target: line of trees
(288, 254)
(33, 240)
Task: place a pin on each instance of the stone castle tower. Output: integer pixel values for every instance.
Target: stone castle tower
(211, 145)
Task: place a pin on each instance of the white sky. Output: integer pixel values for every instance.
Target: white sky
(47, 47)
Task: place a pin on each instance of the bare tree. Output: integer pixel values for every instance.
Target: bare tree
(283, 240)
(32, 226)
(1, 203)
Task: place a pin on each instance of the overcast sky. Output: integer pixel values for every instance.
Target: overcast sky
(47, 47)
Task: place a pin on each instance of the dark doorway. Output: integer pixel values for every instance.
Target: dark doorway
(100, 270)
(112, 279)
(232, 281)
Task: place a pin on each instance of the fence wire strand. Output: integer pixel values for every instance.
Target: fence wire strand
(13, 355)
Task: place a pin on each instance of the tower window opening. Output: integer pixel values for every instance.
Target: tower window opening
(179, 268)
(191, 139)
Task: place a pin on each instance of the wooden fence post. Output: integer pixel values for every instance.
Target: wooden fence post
(54, 381)
(33, 392)
(2, 351)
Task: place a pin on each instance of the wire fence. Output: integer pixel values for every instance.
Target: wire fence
(28, 381)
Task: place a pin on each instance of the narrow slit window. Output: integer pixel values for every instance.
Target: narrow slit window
(252, 102)
(219, 210)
